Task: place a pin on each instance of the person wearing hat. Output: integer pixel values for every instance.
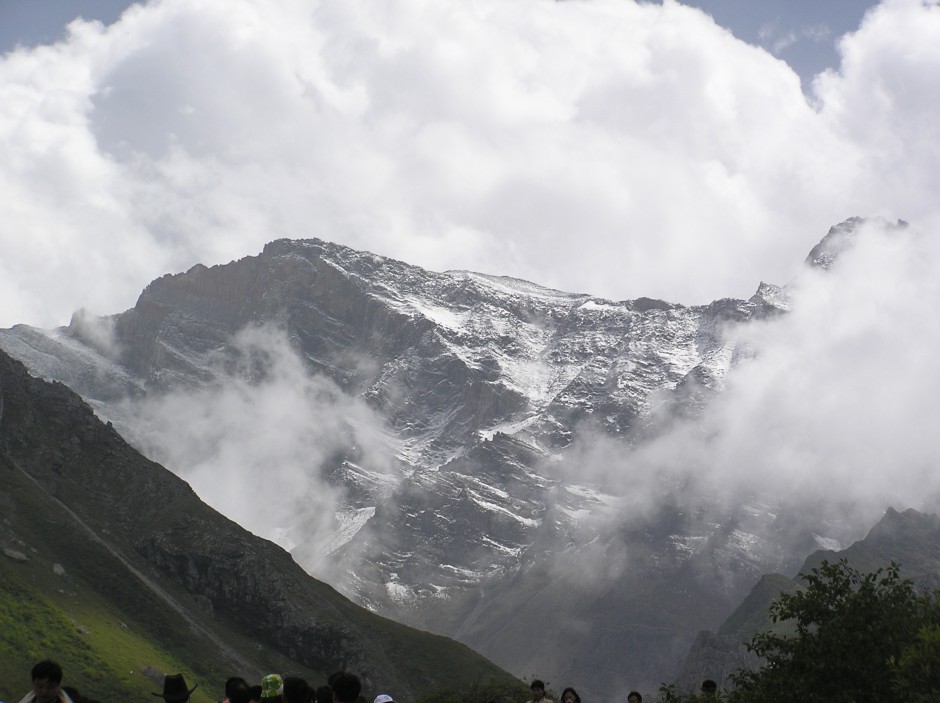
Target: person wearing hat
(174, 689)
(47, 680)
(272, 689)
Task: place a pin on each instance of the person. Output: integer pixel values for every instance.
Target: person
(47, 684)
(383, 698)
(254, 693)
(175, 690)
(634, 697)
(324, 694)
(272, 689)
(569, 695)
(709, 687)
(538, 692)
(296, 690)
(346, 687)
(230, 685)
(238, 691)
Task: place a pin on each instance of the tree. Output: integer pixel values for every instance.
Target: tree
(917, 671)
(852, 638)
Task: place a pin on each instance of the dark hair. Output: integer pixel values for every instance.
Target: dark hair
(47, 669)
(255, 692)
(577, 698)
(537, 683)
(231, 683)
(324, 694)
(296, 690)
(709, 686)
(237, 690)
(639, 698)
(346, 687)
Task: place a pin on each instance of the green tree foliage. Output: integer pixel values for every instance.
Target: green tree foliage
(917, 671)
(856, 638)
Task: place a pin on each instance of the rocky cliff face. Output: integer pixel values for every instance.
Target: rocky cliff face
(483, 522)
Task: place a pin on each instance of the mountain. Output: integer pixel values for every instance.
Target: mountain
(452, 447)
(909, 538)
(113, 566)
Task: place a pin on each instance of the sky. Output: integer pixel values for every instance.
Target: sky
(611, 147)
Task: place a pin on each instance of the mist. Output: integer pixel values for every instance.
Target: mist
(259, 441)
(828, 413)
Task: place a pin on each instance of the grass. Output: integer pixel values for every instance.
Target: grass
(102, 655)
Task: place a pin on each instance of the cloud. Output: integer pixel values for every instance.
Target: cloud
(831, 411)
(769, 35)
(611, 147)
(259, 442)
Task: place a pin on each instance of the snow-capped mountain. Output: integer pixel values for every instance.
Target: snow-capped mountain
(483, 490)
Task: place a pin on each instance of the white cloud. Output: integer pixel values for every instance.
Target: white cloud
(609, 147)
(835, 409)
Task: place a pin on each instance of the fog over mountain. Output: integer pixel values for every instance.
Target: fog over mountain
(838, 398)
(474, 454)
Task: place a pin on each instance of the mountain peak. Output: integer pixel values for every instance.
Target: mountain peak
(841, 237)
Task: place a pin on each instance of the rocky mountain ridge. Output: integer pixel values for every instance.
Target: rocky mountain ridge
(482, 517)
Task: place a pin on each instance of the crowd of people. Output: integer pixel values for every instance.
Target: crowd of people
(569, 695)
(709, 691)
(342, 687)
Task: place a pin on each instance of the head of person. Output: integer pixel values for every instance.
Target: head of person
(175, 689)
(296, 690)
(538, 689)
(634, 697)
(569, 695)
(46, 678)
(346, 687)
(272, 689)
(254, 693)
(709, 687)
(324, 694)
(231, 683)
(238, 691)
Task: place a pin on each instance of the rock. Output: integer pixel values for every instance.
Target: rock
(15, 555)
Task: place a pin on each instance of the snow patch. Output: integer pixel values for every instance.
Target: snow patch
(349, 523)
(493, 507)
(832, 545)
(601, 306)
